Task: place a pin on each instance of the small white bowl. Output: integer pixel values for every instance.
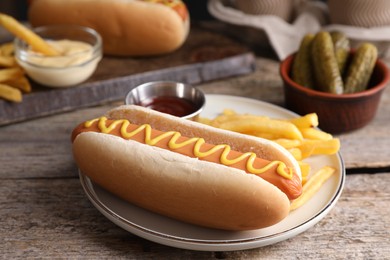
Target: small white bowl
(68, 74)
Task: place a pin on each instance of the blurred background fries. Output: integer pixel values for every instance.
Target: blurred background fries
(19, 30)
(13, 81)
(299, 135)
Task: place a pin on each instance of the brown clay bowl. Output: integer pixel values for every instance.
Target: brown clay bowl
(336, 113)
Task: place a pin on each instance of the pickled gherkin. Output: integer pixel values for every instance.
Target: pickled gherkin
(361, 67)
(302, 68)
(342, 47)
(326, 71)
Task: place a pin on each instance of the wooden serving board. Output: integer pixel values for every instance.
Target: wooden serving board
(204, 57)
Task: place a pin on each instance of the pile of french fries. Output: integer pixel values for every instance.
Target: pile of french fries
(13, 81)
(299, 135)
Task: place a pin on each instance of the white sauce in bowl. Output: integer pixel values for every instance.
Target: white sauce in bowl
(76, 63)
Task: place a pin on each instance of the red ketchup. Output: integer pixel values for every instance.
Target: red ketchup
(170, 105)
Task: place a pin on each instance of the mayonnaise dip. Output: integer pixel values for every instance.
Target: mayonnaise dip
(77, 62)
(72, 53)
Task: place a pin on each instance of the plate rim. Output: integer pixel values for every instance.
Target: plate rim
(214, 245)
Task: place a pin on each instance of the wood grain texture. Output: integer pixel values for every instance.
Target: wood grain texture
(52, 218)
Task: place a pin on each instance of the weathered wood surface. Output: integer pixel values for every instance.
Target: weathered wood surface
(45, 213)
(52, 218)
(204, 57)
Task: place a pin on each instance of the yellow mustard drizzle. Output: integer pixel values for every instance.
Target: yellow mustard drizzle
(173, 144)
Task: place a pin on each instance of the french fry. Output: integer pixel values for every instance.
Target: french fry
(296, 153)
(305, 171)
(21, 83)
(19, 30)
(10, 74)
(306, 121)
(7, 61)
(269, 136)
(7, 49)
(288, 143)
(229, 112)
(279, 128)
(10, 93)
(316, 147)
(232, 117)
(312, 186)
(315, 134)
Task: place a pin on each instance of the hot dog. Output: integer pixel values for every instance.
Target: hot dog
(195, 173)
(127, 27)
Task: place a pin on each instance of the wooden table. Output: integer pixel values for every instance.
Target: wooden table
(45, 213)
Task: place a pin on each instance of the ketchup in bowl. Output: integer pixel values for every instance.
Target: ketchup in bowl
(175, 106)
(174, 98)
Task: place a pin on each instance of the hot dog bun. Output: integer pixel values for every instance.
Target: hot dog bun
(128, 27)
(184, 188)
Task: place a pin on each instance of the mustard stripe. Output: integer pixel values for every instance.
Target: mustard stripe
(173, 144)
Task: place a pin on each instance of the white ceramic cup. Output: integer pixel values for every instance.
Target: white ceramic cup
(280, 8)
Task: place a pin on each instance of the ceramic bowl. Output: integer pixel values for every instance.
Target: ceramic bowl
(175, 98)
(337, 113)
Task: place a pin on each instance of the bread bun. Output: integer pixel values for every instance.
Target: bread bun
(127, 27)
(181, 187)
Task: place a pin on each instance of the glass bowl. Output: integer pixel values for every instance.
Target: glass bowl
(68, 69)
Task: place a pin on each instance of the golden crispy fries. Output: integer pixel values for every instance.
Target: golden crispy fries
(229, 112)
(305, 170)
(248, 123)
(316, 147)
(10, 74)
(7, 49)
(298, 135)
(228, 118)
(12, 79)
(288, 143)
(309, 120)
(10, 93)
(21, 83)
(312, 186)
(22, 32)
(269, 136)
(296, 153)
(315, 134)
(7, 61)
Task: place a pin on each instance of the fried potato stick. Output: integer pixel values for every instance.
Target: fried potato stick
(9, 93)
(21, 83)
(312, 186)
(19, 30)
(7, 61)
(10, 74)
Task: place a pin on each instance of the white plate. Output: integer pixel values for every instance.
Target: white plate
(173, 233)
